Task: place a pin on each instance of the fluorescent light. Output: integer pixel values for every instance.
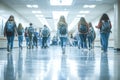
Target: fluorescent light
(85, 12)
(35, 6)
(61, 2)
(39, 16)
(36, 12)
(78, 16)
(32, 6)
(89, 6)
(29, 6)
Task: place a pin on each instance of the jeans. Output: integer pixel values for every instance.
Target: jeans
(10, 40)
(27, 41)
(63, 41)
(104, 40)
(83, 40)
(20, 39)
(44, 41)
(90, 40)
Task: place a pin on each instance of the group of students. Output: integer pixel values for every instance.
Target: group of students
(85, 31)
(31, 35)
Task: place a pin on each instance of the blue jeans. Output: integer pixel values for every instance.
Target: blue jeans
(10, 40)
(90, 40)
(104, 40)
(20, 39)
(63, 41)
(27, 41)
(83, 40)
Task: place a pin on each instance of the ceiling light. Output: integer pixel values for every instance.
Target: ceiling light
(35, 6)
(61, 2)
(32, 6)
(85, 12)
(89, 6)
(29, 6)
(78, 16)
(39, 16)
(36, 12)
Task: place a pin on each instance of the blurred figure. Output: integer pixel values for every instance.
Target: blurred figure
(105, 28)
(62, 30)
(35, 38)
(10, 30)
(90, 35)
(26, 37)
(45, 35)
(20, 31)
(83, 30)
(30, 35)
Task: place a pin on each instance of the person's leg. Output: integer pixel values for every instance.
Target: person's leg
(12, 40)
(8, 43)
(106, 41)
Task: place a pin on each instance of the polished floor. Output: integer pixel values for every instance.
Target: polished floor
(51, 64)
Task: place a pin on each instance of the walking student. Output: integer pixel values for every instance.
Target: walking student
(10, 30)
(62, 30)
(20, 31)
(105, 28)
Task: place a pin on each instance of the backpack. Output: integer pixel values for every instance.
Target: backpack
(63, 30)
(105, 26)
(10, 27)
(45, 32)
(30, 31)
(83, 29)
(20, 32)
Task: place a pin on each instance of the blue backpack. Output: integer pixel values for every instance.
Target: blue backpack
(30, 31)
(105, 26)
(83, 29)
(45, 32)
(63, 30)
(20, 32)
(10, 27)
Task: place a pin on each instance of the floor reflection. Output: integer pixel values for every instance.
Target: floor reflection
(9, 73)
(104, 68)
(63, 73)
(86, 65)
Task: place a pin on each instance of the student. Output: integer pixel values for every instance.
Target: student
(20, 31)
(62, 30)
(90, 35)
(26, 37)
(30, 35)
(10, 30)
(45, 34)
(105, 28)
(83, 30)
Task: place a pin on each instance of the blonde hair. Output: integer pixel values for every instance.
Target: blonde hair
(62, 21)
(82, 21)
(20, 26)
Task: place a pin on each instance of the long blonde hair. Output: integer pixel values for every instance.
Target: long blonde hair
(62, 21)
(20, 26)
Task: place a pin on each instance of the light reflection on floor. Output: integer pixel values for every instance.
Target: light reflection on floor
(51, 64)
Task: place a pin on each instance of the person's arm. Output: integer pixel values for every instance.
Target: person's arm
(99, 25)
(5, 29)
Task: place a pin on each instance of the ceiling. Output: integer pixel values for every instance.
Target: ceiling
(46, 11)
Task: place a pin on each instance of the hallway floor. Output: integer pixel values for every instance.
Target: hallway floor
(51, 64)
